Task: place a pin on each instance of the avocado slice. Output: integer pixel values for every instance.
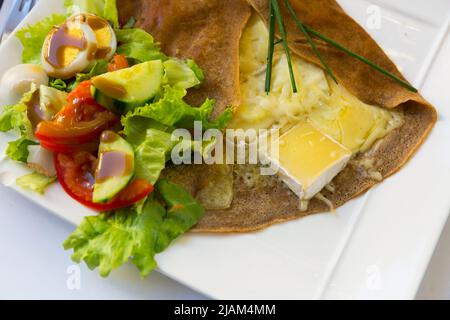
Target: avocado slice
(115, 167)
(128, 88)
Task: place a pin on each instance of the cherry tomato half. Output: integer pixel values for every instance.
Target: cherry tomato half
(118, 62)
(76, 174)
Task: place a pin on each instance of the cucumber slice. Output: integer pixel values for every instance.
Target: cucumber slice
(115, 167)
(129, 87)
(107, 102)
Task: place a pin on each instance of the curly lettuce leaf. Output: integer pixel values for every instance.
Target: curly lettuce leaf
(100, 67)
(136, 129)
(155, 151)
(111, 13)
(130, 23)
(197, 70)
(172, 111)
(152, 154)
(182, 74)
(183, 212)
(35, 182)
(12, 118)
(109, 240)
(138, 45)
(32, 37)
(150, 128)
(15, 118)
(106, 9)
(18, 150)
(58, 84)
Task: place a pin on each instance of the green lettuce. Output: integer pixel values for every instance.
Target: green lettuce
(183, 213)
(18, 150)
(109, 240)
(152, 154)
(106, 9)
(130, 23)
(136, 129)
(197, 70)
(15, 118)
(35, 182)
(182, 74)
(149, 129)
(32, 37)
(58, 84)
(100, 67)
(172, 111)
(12, 117)
(138, 45)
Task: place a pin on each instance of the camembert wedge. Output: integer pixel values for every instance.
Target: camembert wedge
(308, 159)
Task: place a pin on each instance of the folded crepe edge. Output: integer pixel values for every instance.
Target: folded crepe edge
(319, 208)
(363, 82)
(402, 98)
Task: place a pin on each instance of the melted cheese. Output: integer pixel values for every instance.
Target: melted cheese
(328, 106)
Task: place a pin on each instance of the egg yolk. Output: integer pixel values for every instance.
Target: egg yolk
(103, 35)
(64, 45)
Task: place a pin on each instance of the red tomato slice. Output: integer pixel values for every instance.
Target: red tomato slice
(78, 133)
(119, 61)
(83, 90)
(81, 121)
(70, 148)
(76, 174)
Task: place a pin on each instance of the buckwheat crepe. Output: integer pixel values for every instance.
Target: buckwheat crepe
(209, 32)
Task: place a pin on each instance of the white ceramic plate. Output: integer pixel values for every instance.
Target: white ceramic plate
(377, 246)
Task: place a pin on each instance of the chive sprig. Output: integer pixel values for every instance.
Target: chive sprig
(275, 15)
(271, 49)
(275, 7)
(308, 37)
(361, 58)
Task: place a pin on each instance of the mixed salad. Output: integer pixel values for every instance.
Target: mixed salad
(95, 104)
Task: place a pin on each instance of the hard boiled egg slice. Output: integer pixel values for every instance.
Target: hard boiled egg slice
(41, 160)
(104, 33)
(17, 81)
(69, 49)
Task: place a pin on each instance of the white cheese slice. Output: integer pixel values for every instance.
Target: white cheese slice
(308, 159)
